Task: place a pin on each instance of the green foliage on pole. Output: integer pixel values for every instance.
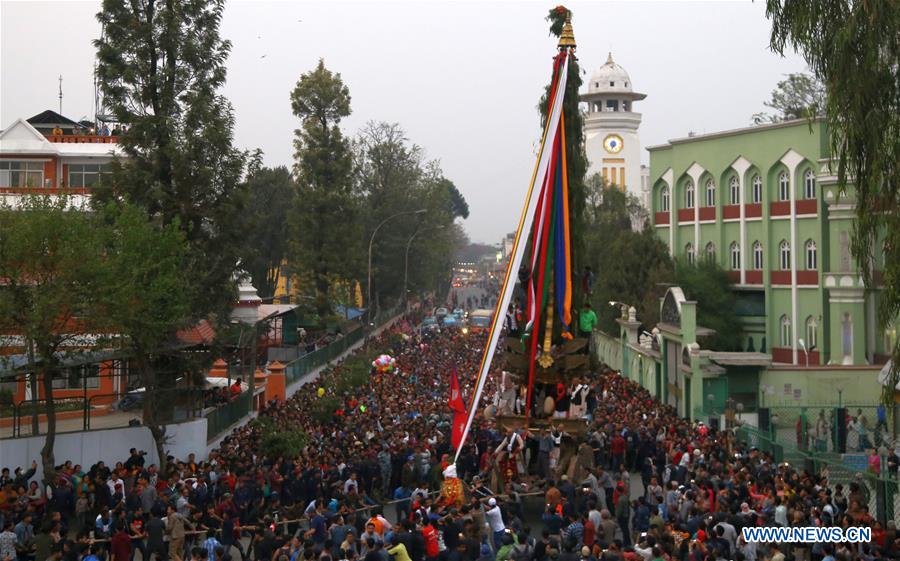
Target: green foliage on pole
(576, 157)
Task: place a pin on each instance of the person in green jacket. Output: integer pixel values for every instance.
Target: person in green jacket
(587, 320)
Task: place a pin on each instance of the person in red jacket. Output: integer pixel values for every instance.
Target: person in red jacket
(430, 534)
(617, 450)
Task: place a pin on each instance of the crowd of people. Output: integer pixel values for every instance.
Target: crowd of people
(616, 476)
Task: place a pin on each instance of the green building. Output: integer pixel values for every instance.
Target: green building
(763, 203)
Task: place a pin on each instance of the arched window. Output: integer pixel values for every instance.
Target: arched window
(784, 187)
(735, 256)
(890, 335)
(785, 331)
(710, 193)
(811, 255)
(784, 253)
(689, 253)
(847, 336)
(757, 256)
(757, 189)
(711, 251)
(735, 191)
(664, 199)
(689, 194)
(809, 184)
(812, 335)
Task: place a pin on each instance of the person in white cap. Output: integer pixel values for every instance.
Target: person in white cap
(495, 521)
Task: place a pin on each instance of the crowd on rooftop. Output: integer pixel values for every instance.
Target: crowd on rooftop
(636, 482)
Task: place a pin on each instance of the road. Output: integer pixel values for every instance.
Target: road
(474, 292)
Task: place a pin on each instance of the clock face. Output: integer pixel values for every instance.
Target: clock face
(613, 143)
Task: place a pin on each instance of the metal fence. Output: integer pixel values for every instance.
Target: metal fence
(219, 419)
(815, 427)
(174, 405)
(843, 469)
(297, 369)
(98, 411)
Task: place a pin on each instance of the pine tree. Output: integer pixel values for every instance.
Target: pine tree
(324, 240)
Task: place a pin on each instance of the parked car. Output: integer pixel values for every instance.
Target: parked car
(428, 324)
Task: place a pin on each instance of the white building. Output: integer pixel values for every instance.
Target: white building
(612, 140)
(49, 154)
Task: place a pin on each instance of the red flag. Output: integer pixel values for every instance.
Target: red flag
(456, 403)
(459, 427)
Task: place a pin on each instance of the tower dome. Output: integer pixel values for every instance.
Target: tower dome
(611, 79)
(612, 142)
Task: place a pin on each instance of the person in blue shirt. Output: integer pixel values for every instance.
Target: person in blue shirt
(210, 545)
(641, 519)
(552, 520)
(881, 426)
(317, 526)
(93, 554)
(402, 494)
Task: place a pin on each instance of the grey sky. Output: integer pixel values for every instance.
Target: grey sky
(463, 78)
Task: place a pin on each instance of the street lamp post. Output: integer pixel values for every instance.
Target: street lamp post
(623, 307)
(406, 264)
(371, 241)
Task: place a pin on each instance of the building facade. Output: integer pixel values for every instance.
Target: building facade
(612, 140)
(764, 204)
(49, 154)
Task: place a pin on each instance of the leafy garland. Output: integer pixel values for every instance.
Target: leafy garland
(575, 152)
(557, 18)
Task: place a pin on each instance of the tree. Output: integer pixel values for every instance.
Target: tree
(629, 266)
(799, 96)
(853, 48)
(324, 239)
(709, 285)
(49, 263)
(145, 298)
(160, 65)
(270, 195)
(393, 176)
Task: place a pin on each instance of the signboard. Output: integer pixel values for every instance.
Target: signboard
(855, 462)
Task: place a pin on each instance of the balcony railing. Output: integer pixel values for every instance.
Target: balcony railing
(83, 139)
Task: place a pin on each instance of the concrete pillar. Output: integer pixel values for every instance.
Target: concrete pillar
(275, 382)
(688, 322)
(261, 383)
(219, 369)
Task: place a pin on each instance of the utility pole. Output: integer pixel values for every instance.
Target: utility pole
(60, 94)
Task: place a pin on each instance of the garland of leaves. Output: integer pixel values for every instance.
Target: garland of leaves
(576, 157)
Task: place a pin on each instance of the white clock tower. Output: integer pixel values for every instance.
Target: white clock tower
(612, 141)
